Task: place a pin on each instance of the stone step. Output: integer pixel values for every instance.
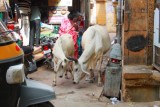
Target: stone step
(140, 83)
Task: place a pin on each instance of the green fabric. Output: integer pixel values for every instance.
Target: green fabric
(79, 45)
(19, 42)
(50, 34)
(1, 15)
(56, 29)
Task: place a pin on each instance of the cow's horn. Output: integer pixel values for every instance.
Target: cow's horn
(72, 59)
(86, 72)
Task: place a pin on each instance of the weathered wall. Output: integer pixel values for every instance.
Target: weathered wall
(101, 12)
(110, 17)
(137, 38)
(92, 12)
(104, 13)
(138, 80)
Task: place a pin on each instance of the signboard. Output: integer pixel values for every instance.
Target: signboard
(57, 14)
(59, 2)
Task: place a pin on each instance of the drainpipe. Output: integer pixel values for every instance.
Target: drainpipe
(119, 22)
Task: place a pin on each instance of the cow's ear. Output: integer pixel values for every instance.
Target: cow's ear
(73, 63)
(72, 59)
(76, 61)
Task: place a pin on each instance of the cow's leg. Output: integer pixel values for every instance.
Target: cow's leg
(66, 75)
(71, 74)
(90, 77)
(71, 70)
(66, 71)
(99, 71)
(87, 77)
(54, 71)
(54, 79)
(82, 75)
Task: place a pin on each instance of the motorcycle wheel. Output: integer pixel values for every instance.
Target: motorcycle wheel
(45, 104)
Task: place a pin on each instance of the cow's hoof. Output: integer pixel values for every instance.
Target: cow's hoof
(87, 79)
(53, 85)
(66, 78)
(60, 76)
(75, 82)
(91, 81)
(100, 84)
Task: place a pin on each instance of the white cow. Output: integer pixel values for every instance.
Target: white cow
(63, 48)
(95, 42)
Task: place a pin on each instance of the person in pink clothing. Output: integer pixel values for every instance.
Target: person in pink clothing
(69, 25)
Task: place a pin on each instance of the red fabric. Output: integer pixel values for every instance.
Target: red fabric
(10, 26)
(81, 23)
(66, 27)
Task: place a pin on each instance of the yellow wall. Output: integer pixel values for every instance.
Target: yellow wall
(110, 17)
(106, 15)
(101, 12)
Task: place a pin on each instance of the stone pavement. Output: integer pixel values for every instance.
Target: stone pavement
(83, 94)
(68, 94)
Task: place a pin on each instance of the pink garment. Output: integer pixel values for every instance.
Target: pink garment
(66, 27)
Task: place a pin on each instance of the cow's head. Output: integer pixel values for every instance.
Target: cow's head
(78, 71)
(63, 67)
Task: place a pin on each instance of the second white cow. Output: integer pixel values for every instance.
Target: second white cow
(95, 42)
(63, 48)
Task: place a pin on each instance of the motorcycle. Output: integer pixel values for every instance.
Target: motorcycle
(30, 65)
(47, 44)
(29, 62)
(15, 89)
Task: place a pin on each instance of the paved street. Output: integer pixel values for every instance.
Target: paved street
(82, 95)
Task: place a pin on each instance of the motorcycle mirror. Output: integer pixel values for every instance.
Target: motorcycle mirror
(17, 11)
(19, 16)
